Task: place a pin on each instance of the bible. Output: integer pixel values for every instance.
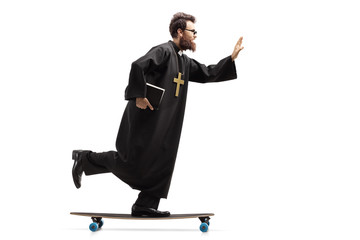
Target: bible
(154, 94)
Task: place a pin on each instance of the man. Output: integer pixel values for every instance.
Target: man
(148, 139)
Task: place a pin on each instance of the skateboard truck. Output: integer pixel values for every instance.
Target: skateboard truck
(204, 219)
(96, 219)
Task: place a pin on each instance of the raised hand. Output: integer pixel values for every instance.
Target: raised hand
(237, 49)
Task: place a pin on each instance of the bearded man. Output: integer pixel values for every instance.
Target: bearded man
(148, 139)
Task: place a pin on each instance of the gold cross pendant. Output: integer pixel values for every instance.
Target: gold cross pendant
(179, 82)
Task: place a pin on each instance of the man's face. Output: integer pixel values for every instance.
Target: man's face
(188, 37)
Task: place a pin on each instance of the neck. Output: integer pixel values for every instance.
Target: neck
(177, 42)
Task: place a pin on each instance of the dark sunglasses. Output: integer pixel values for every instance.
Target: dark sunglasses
(192, 30)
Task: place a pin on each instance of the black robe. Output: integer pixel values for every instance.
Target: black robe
(147, 141)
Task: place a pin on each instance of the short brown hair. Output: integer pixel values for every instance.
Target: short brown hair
(179, 21)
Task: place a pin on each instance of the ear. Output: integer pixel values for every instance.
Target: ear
(180, 32)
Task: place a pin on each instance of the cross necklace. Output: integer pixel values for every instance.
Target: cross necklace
(178, 80)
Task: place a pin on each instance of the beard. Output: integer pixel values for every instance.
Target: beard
(187, 44)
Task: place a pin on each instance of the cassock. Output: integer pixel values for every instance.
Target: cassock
(147, 141)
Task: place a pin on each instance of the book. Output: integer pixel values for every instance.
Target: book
(154, 94)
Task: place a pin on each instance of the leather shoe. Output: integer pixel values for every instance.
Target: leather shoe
(138, 211)
(77, 169)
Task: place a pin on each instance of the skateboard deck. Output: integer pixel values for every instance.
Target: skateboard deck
(98, 222)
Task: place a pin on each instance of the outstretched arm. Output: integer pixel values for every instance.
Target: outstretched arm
(237, 49)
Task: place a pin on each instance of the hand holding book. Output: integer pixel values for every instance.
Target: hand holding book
(143, 103)
(153, 98)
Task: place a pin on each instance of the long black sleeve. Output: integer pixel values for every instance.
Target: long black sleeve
(223, 71)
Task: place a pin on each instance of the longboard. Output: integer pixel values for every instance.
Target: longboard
(98, 222)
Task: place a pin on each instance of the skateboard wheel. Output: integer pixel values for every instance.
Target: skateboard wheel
(93, 226)
(101, 223)
(204, 227)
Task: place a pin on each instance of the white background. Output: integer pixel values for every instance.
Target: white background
(275, 153)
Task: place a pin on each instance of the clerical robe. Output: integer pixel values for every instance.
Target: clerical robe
(147, 141)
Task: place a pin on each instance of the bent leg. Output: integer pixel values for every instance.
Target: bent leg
(96, 163)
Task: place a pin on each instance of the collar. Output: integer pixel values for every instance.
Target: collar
(180, 52)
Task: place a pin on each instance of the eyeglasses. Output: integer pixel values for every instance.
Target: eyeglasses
(192, 30)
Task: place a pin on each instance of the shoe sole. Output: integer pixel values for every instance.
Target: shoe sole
(150, 215)
(75, 155)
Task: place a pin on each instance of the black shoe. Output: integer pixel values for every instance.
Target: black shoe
(138, 211)
(77, 169)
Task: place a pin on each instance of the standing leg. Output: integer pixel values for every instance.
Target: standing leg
(145, 200)
(146, 206)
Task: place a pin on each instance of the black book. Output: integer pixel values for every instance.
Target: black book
(154, 94)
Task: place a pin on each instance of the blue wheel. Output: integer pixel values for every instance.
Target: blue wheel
(93, 227)
(204, 227)
(101, 223)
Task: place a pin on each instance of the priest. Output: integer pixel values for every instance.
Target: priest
(148, 139)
